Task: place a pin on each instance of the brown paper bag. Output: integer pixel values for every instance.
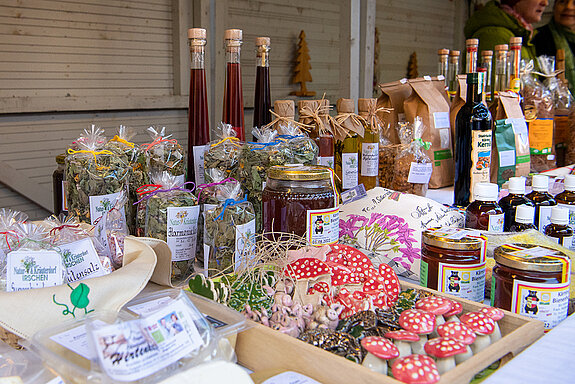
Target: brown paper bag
(427, 102)
(393, 96)
(456, 104)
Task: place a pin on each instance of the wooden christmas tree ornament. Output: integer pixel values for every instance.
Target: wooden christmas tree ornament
(302, 74)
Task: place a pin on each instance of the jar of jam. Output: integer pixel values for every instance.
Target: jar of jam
(532, 281)
(453, 261)
(542, 200)
(301, 200)
(515, 198)
(559, 229)
(59, 186)
(524, 215)
(484, 213)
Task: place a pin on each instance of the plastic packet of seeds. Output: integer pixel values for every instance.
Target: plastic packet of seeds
(165, 154)
(95, 176)
(412, 168)
(230, 231)
(223, 153)
(171, 215)
(303, 150)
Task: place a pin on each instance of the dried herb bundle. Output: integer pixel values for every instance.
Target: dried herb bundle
(95, 176)
(165, 154)
(303, 150)
(223, 153)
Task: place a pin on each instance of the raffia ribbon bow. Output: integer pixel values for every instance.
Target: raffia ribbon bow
(347, 124)
(308, 114)
(286, 121)
(373, 120)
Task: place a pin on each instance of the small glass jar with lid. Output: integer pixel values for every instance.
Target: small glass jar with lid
(453, 261)
(301, 200)
(532, 281)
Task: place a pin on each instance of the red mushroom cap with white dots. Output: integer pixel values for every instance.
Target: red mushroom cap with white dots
(417, 321)
(479, 323)
(306, 268)
(390, 281)
(441, 347)
(434, 304)
(402, 335)
(495, 314)
(458, 331)
(340, 275)
(456, 309)
(380, 347)
(415, 369)
(358, 262)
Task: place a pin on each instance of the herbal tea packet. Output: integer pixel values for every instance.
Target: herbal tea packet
(222, 153)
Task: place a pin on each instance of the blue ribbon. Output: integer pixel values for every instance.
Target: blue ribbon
(290, 137)
(230, 203)
(264, 145)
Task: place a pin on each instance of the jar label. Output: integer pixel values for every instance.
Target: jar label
(199, 151)
(545, 302)
(544, 217)
(326, 161)
(182, 231)
(349, 170)
(245, 242)
(322, 226)
(571, 209)
(480, 158)
(465, 281)
(419, 173)
(496, 223)
(369, 159)
(423, 271)
(101, 204)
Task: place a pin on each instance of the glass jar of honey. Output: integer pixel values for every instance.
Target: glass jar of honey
(532, 281)
(453, 261)
(301, 200)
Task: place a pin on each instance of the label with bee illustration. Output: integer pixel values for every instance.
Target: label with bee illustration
(480, 158)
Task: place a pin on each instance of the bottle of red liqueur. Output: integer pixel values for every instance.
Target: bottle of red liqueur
(262, 98)
(198, 121)
(233, 112)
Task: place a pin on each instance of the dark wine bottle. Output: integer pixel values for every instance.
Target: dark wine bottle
(473, 146)
(262, 98)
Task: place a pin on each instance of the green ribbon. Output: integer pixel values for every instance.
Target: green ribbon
(425, 144)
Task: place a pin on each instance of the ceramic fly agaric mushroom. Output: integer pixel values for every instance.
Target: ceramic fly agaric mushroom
(306, 272)
(483, 327)
(495, 314)
(402, 340)
(379, 350)
(415, 369)
(419, 322)
(460, 332)
(436, 305)
(455, 310)
(444, 350)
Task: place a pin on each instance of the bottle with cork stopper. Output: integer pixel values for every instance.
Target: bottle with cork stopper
(262, 98)
(285, 113)
(471, 55)
(443, 64)
(524, 216)
(515, 198)
(500, 80)
(452, 72)
(347, 150)
(542, 200)
(559, 228)
(484, 213)
(315, 113)
(233, 106)
(514, 82)
(487, 63)
(369, 144)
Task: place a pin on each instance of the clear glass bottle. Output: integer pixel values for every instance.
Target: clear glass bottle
(198, 120)
(524, 216)
(484, 213)
(500, 81)
(262, 98)
(347, 151)
(515, 198)
(368, 144)
(514, 82)
(452, 72)
(233, 110)
(559, 228)
(542, 200)
(443, 65)
(471, 46)
(487, 63)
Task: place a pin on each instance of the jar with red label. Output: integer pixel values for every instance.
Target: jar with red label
(453, 261)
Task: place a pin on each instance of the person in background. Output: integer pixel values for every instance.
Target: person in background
(497, 22)
(559, 33)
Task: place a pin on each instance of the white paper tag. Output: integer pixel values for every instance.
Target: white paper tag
(206, 259)
(76, 340)
(81, 260)
(507, 158)
(419, 173)
(349, 170)
(135, 349)
(182, 231)
(495, 223)
(326, 161)
(144, 309)
(33, 269)
(322, 226)
(102, 204)
(199, 151)
(441, 120)
(56, 380)
(290, 377)
(544, 217)
(444, 138)
(369, 159)
(519, 125)
(245, 242)
(550, 157)
(427, 78)
(532, 253)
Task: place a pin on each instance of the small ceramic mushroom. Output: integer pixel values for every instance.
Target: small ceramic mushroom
(460, 332)
(438, 306)
(402, 340)
(379, 350)
(444, 350)
(483, 327)
(455, 310)
(307, 272)
(419, 322)
(415, 369)
(495, 314)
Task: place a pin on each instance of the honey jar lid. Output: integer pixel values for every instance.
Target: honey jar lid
(299, 172)
(452, 238)
(531, 257)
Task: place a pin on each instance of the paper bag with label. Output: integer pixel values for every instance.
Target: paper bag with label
(457, 102)
(385, 217)
(428, 102)
(393, 95)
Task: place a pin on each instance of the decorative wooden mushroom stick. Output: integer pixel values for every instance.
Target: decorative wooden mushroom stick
(444, 350)
(379, 350)
(455, 310)
(419, 322)
(483, 327)
(460, 332)
(436, 305)
(402, 340)
(495, 314)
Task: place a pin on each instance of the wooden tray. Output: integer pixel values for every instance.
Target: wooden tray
(263, 349)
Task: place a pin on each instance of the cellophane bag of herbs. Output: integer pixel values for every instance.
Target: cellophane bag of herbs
(164, 154)
(122, 145)
(33, 262)
(95, 176)
(112, 229)
(230, 231)
(83, 255)
(387, 154)
(255, 160)
(413, 167)
(223, 153)
(171, 214)
(303, 150)
(9, 237)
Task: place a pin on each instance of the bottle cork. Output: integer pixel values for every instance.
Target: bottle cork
(514, 41)
(443, 51)
(487, 53)
(196, 33)
(454, 53)
(501, 47)
(345, 106)
(263, 41)
(472, 42)
(233, 34)
(285, 108)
